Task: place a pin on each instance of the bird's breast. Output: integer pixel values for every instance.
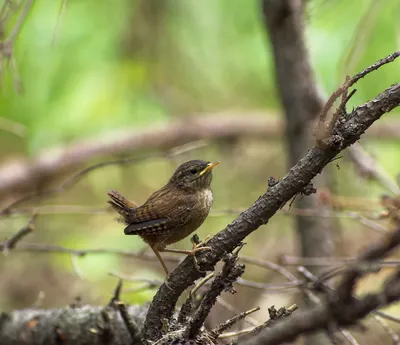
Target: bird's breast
(205, 198)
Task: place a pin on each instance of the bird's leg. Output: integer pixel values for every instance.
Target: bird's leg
(157, 253)
(200, 244)
(196, 248)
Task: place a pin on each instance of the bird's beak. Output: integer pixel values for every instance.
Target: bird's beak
(209, 167)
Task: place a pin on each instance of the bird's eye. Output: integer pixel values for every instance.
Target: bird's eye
(193, 171)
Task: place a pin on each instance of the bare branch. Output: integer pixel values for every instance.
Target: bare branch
(7, 45)
(369, 168)
(324, 127)
(341, 309)
(269, 265)
(131, 326)
(349, 337)
(372, 253)
(27, 175)
(391, 332)
(216, 332)
(70, 182)
(222, 282)
(266, 206)
(12, 242)
(48, 248)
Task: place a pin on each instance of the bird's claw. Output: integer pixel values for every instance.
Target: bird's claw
(197, 247)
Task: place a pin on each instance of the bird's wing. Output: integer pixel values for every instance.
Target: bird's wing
(162, 212)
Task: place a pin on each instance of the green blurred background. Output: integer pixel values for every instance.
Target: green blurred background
(130, 65)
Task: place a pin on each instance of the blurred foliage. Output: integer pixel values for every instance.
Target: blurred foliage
(122, 64)
(202, 56)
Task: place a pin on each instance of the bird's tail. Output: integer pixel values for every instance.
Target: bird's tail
(122, 205)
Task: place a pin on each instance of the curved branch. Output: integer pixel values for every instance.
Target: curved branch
(28, 175)
(341, 308)
(265, 207)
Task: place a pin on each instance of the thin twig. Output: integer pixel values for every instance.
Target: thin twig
(12, 242)
(188, 305)
(125, 277)
(216, 332)
(83, 209)
(269, 287)
(117, 293)
(274, 315)
(222, 282)
(389, 330)
(75, 265)
(236, 333)
(130, 325)
(71, 181)
(120, 306)
(202, 282)
(234, 310)
(387, 316)
(369, 223)
(48, 248)
(324, 127)
(372, 253)
(269, 265)
(328, 261)
(368, 167)
(18, 25)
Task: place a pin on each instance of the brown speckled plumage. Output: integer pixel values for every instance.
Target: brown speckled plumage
(174, 211)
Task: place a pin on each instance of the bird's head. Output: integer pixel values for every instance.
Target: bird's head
(193, 175)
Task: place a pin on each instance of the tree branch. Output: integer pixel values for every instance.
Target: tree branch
(222, 282)
(341, 309)
(24, 176)
(266, 206)
(78, 326)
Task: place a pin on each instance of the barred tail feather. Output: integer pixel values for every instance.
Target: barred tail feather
(122, 205)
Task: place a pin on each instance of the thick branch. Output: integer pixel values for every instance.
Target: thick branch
(83, 325)
(265, 207)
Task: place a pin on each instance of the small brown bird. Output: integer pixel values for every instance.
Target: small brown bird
(173, 212)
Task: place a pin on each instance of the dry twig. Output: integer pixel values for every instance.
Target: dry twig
(12, 242)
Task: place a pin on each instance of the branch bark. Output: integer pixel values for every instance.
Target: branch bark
(69, 326)
(298, 177)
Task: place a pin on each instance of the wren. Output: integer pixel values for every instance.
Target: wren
(171, 213)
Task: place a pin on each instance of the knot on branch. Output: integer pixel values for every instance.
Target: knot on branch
(308, 190)
(277, 314)
(333, 142)
(272, 181)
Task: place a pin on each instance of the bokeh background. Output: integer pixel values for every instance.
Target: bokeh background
(101, 68)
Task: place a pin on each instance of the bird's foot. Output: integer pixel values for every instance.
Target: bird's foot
(197, 247)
